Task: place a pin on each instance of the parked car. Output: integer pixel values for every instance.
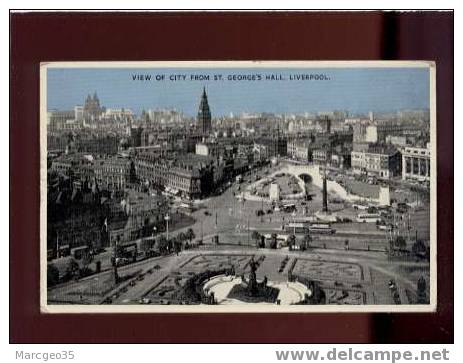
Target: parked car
(384, 227)
(402, 208)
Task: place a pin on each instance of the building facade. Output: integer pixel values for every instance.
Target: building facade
(378, 160)
(416, 163)
(114, 173)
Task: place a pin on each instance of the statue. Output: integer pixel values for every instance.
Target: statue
(252, 286)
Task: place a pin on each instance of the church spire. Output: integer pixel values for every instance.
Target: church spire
(204, 114)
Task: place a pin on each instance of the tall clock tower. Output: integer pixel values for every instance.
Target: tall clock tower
(204, 115)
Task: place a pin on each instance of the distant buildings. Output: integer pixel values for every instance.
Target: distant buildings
(275, 145)
(83, 142)
(379, 131)
(207, 149)
(62, 120)
(92, 109)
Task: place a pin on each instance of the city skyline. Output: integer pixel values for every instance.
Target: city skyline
(356, 90)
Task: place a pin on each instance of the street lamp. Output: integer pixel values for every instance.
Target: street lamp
(294, 222)
(167, 219)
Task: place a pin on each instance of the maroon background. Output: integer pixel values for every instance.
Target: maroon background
(216, 36)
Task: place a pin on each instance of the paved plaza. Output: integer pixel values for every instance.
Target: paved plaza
(346, 277)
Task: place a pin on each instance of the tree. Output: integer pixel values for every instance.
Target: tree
(291, 241)
(147, 227)
(132, 173)
(177, 244)
(146, 245)
(306, 242)
(400, 242)
(87, 258)
(181, 237)
(162, 244)
(274, 243)
(190, 234)
(52, 275)
(421, 290)
(419, 247)
(72, 269)
(256, 237)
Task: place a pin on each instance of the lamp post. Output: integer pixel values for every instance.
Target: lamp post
(57, 245)
(202, 233)
(294, 222)
(167, 219)
(115, 273)
(262, 209)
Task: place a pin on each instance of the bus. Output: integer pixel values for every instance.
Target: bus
(296, 227)
(281, 239)
(79, 252)
(289, 207)
(369, 218)
(321, 228)
(186, 207)
(306, 220)
(360, 206)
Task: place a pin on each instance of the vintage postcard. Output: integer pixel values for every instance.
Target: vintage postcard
(238, 187)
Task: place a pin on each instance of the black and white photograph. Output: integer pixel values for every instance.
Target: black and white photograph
(238, 186)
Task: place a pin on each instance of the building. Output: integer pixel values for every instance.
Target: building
(204, 124)
(185, 181)
(273, 145)
(57, 142)
(114, 173)
(321, 156)
(299, 149)
(341, 158)
(145, 215)
(378, 132)
(324, 123)
(188, 175)
(359, 132)
(207, 149)
(79, 113)
(135, 137)
(59, 119)
(400, 141)
(92, 109)
(97, 144)
(77, 216)
(77, 165)
(416, 163)
(383, 161)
